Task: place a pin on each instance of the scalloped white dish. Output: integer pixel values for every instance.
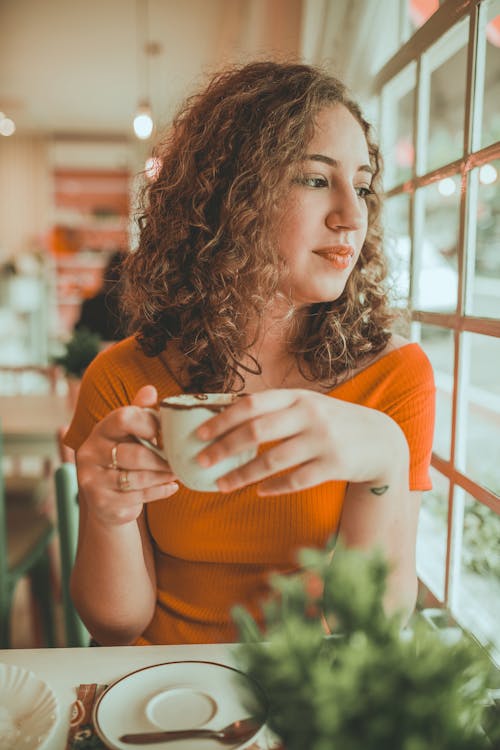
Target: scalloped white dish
(28, 709)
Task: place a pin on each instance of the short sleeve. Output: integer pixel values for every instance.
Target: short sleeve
(412, 406)
(100, 393)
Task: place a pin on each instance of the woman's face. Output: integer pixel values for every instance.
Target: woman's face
(325, 219)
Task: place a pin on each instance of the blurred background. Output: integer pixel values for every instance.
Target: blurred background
(88, 86)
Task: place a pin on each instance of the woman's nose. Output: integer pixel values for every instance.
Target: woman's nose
(346, 211)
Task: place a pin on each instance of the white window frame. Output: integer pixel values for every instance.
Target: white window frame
(417, 51)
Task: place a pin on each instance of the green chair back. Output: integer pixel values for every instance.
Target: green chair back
(25, 536)
(67, 521)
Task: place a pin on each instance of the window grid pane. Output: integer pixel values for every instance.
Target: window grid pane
(432, 534)
(447, 61)
(398, 247)
(490, 131)
(479, 419)
(435, 277)
(476, 602)
(398, 103)
(438, 344)
(483, 298)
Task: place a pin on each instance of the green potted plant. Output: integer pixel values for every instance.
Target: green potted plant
(79, 351)
(369, 685)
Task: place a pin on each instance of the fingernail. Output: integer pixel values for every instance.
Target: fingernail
(203, 460)
(172, 487)
(203, 433)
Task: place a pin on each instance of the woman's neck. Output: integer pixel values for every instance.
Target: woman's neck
(272, 350)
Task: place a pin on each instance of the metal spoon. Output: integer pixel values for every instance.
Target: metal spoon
(238, 731)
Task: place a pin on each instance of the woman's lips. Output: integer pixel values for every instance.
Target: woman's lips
(339, 256)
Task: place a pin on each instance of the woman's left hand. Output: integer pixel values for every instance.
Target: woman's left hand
(320, 439)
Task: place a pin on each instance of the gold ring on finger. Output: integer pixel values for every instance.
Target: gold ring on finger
(114, 458)
(123, 481)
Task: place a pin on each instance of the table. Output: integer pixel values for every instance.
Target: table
(65, 668)
(30, 423)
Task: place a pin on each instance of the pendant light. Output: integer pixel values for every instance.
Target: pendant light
(143, 123)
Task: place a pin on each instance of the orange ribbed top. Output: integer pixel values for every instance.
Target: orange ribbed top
(214, 550)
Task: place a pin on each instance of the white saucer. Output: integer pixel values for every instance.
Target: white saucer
(177, 695)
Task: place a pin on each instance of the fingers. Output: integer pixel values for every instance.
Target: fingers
(125, 480)
(247, 408)
(127, 421)
(302, 477)
(264, 429)
(132, 455)
(278, 458)
(146, 396)
(117, 475)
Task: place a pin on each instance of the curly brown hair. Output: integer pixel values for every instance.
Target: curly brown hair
(207, 265)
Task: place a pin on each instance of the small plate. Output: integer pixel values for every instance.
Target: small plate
(28, 709)
(177, 695)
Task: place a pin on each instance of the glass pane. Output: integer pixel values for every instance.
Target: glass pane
(436, 276)
(448, 63)
(485, 293)
(477, 603)
(438, 345)
(479, 422)
(432, 533)
(397, 126)
(491, 112)
(397, 247)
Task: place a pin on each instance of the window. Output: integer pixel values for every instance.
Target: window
(440, 134)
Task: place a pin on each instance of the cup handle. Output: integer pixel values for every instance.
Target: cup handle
(148, 443)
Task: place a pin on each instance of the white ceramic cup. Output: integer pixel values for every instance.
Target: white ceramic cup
(179, 417)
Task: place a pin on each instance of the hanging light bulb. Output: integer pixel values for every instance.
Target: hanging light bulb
(143, 121)
(7, 126)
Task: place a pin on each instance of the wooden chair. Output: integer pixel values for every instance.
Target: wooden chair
(25, 536)
(67, 521)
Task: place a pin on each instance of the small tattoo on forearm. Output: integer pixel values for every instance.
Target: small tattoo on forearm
(379, 490)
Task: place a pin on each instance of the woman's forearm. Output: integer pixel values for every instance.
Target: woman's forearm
(383, 514)
(111, 583)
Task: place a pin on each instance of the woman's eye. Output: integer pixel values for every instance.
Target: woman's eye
(314, 181)
(363, 192)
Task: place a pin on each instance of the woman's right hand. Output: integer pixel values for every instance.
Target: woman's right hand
(116, 474)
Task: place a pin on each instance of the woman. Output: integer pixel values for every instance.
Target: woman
(259, 269)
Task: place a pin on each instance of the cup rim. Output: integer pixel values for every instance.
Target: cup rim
(201, 400)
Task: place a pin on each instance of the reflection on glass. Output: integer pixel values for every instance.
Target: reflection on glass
(397, 247)
(484, 299)
(439, 346)
(477, 603)
(432, 532)
(448, 61)
(436, 276)
(490, 131)
(480, 421)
